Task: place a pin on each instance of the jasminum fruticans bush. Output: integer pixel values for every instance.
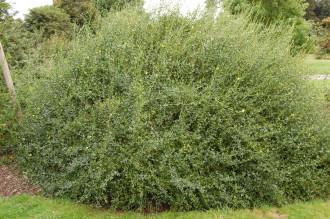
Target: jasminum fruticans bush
(172, 112)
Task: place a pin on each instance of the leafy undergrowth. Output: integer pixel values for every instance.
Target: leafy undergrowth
(39, 207)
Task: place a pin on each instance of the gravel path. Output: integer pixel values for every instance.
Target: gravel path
(319, 77)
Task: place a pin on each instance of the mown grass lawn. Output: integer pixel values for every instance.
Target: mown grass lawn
(35, 207)
(318, 66)
(319, 88)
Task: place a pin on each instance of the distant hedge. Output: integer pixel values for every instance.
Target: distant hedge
(175, 113)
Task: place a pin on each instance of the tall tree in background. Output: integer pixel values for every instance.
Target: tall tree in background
(106, 5)
(323, 9)
(80, 11)
(270, 10)
(287, 12)
(317, 9)
(49, 21)
(310, 11)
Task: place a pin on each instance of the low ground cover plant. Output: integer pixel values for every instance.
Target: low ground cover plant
(172, 112)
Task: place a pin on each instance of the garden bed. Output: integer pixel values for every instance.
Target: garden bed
(13, 183)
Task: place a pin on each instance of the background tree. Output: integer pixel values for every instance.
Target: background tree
(80, 11)
(310, 10)
(270, 10)
(287, 12)
(323, 9)
(106, 5)
(17, 41)
(49, 20)
(324, 37)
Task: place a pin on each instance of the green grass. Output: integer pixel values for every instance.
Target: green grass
(36, 207)
(318, 66)
(319, 88)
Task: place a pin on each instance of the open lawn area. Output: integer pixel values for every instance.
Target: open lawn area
(320, 88)
(21, 207)
(318, 66)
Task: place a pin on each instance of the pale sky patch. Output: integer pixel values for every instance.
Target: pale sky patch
(23, 6)
(185, 6)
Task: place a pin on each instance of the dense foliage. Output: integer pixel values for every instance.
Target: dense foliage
(325, 37)
(289, 12)
(81, 12)
(323, 8)
(318, 12)
(105, 6)
(270, 10)
(48, 20)
(8, 121)
(322, 32)
(17, 41)
(174, 113)
(318, 9)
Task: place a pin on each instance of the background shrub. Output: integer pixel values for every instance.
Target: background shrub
(49, 20)
(105, 6)
(81, 11)
(323, 8)
(322, 35)
(325, 44)
(175, 112)
(18, 42)
(290, 13)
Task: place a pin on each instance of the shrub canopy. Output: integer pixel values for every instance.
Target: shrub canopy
(175, 112)
(105, 6)
(81, 12)
(49, 20)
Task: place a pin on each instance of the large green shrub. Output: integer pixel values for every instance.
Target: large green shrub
(175, 112)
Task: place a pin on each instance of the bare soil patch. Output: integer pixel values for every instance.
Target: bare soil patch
(13, 183)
